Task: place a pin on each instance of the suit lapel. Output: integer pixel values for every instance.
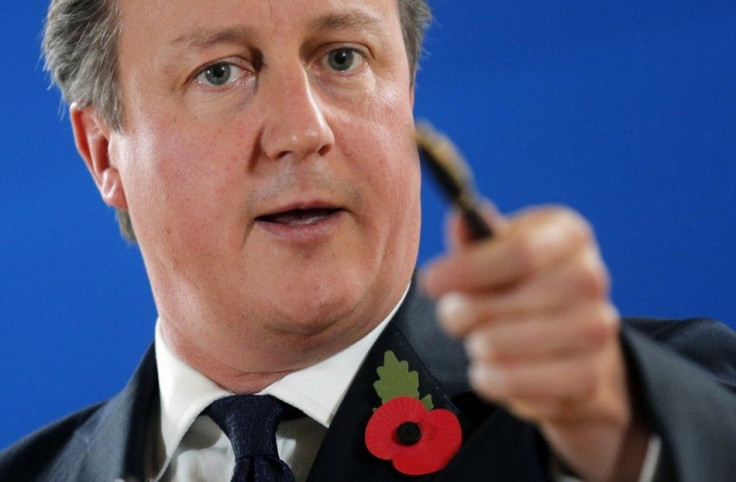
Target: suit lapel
(343, 455)
(496, 445)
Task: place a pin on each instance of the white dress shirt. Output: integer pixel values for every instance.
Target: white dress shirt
(190, 447)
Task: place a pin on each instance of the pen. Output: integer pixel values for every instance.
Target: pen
(452, 173)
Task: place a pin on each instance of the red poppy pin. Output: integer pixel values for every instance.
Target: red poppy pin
(405, 429)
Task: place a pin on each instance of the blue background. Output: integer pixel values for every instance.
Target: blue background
(623, 110)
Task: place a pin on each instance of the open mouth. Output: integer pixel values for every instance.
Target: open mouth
(299, 217)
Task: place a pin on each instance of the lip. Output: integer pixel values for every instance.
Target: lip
(300, 206)
(303, 221)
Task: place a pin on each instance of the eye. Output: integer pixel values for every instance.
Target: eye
(344, 59)
(220, 74)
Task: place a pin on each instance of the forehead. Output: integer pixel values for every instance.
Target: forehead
(165, 22)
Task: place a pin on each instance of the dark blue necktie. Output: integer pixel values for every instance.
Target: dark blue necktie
(250, 422)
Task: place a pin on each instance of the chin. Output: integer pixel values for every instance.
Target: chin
(311, 315)
(339, 307)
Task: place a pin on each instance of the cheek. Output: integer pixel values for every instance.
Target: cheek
(397, 169)
(388, 163)
(180, 181)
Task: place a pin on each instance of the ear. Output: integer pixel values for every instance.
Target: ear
(92, 137)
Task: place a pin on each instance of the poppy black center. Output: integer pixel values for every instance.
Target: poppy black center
(409, 433)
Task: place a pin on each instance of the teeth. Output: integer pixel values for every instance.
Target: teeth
(298, 217)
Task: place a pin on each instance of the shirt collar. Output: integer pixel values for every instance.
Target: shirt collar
(316, 390)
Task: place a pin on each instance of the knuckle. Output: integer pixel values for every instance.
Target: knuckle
(525, 256)
(603, 321)
(495, 352)
(591, 277)
(506, 381)
(522, 382)
(609, 318)
(580, 229)
(547, 234)
(577, 227)
(575, 219)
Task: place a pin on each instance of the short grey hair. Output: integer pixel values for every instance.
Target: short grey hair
(80, 46)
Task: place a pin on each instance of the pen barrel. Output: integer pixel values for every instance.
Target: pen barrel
(478, 227)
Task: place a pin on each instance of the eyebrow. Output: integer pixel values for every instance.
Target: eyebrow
(203, 38)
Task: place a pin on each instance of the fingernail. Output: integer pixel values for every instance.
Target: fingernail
(477, 347)
(453, 310)
(485, 378)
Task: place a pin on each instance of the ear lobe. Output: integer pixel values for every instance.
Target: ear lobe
(92, 138)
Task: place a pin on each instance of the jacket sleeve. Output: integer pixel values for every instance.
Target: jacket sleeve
(685, 376)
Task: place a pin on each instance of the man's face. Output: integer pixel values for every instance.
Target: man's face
(270, 171)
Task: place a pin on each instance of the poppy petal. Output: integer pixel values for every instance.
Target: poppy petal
(380, 433)
(440, 441)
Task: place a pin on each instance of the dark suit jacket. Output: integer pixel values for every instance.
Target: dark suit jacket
(693, 410)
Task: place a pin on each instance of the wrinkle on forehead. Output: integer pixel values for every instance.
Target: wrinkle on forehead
(354, 19)
(343, 20)
(204, 37)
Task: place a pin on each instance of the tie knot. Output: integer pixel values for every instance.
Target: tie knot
(250, 422)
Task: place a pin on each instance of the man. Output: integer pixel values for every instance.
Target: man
(263, 155)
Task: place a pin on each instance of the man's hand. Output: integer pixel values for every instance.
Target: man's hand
(543, 336)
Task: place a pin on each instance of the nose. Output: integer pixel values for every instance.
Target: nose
(295, 125)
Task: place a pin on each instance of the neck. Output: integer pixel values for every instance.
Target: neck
(271, 359)
(251, 362)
